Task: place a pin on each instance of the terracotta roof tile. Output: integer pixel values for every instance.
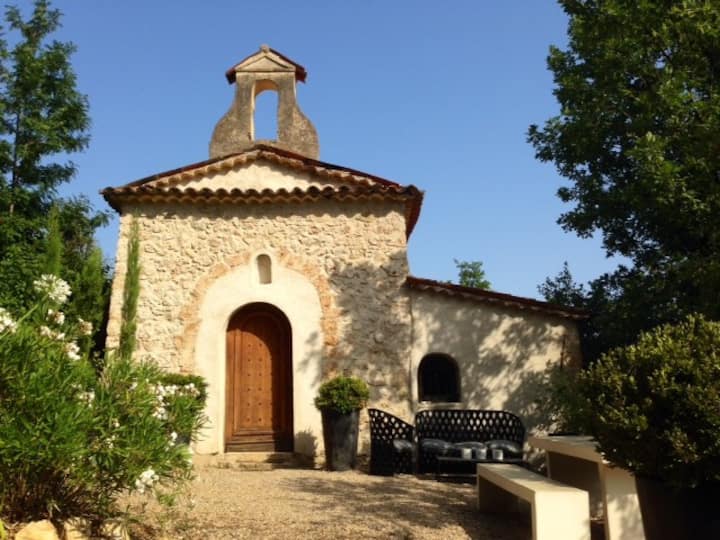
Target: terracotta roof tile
(491, 297)
(357, 185)
(259, 152)
(411, 196)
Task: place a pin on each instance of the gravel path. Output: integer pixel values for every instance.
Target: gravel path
(294, 503)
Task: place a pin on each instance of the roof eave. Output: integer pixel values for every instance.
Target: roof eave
(492, 297)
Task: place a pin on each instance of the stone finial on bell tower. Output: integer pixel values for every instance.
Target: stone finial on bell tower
(266, 70)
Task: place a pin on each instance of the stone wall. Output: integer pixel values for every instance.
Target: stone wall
(339, 271)
(354, 254)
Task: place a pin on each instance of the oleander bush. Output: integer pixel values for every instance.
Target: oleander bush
(185, 408)
(73, 440)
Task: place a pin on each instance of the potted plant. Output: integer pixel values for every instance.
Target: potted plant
(657, 414)
(339, 401)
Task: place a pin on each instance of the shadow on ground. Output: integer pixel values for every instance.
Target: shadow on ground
(410, 504)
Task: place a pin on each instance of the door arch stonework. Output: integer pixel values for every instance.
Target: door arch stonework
(299, 300)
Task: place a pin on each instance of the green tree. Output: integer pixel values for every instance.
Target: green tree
(637, 139)
(563, 289)
(131, 292)
(42, 112)
(471, 274)
(54, 244)
(43, 118)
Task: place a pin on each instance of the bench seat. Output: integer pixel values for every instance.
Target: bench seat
(559, 512)
(463, 426)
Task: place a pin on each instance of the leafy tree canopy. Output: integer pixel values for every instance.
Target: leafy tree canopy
(42, 114)
(471, 274)
(637, 138)
(639, 126)
(43, 119)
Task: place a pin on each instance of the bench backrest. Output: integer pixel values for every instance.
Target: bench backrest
(385, 427)
(460, 425)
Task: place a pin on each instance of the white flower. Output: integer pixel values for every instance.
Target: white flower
(55, 288)
(85, 327)
(134, 385)
(46, 332)
(72, 350)
(115, 423)
(58, 317)
(173, 437)
(160, 413)
(6, 321)
(49, 333)
(87, 397)
(192, 390)
(169, 390)
(149, 476)
(146, 480)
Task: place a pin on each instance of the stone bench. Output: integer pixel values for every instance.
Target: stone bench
(559, 512)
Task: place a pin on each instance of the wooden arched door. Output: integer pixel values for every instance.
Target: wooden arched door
(258, 404)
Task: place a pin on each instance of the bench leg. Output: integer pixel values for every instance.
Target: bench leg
(622, 510)
(561, 516)
(491, 498)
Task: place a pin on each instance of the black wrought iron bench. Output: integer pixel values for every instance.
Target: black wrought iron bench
(396, 445)
(392, 444)
(453, 426)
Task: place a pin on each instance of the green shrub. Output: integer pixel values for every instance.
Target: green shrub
(342, 394)
(186, 395)
(656, 404)
(72, 440)
(564, 408)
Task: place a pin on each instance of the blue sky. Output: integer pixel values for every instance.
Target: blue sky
(439, 95)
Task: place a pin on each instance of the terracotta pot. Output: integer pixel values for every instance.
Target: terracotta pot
(678, 513)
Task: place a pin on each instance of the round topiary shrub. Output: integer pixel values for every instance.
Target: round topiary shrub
(342, 394)
(656, 404)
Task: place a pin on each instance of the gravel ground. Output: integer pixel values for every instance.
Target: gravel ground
(225, 503)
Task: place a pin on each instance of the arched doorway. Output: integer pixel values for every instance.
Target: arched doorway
(259, 397)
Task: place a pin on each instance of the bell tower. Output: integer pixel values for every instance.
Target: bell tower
(265, 71)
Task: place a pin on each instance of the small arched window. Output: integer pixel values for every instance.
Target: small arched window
(438, 379)
(264, 269)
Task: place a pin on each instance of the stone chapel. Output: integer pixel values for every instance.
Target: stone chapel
(267, 271)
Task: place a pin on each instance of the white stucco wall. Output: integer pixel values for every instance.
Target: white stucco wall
(501, 353)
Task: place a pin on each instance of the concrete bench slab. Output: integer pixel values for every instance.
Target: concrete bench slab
(559, 512)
